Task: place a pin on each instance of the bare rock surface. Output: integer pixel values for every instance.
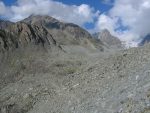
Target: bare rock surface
(108, 39)
(65, 33)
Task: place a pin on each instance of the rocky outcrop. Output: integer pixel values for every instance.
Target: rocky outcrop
(8, 41)
(22, 34)
(109, 40)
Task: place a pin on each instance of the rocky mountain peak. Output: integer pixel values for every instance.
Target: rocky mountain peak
(43, 19)
(64, 33)
(105, 31)
(106, 37)
(46, 31)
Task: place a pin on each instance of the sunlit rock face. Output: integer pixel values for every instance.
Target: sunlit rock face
(108, 40)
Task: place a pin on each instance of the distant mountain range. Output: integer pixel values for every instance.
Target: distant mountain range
(45, 31)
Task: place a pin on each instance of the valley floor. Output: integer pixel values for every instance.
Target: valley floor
(78, 81)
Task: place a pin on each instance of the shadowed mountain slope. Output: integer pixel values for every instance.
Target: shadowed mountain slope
(65, 33)
(4, 24)
(45, 30)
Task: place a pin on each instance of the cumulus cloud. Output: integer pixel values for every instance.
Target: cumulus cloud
(130, 14)
(134, 14)
(71, 13)
(106, 22)
(3, 8)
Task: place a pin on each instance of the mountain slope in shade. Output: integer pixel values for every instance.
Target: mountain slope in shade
(65, 33)
(4, 24)
(21, 35)
(45, 30)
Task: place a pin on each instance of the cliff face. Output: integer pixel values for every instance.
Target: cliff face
(45, 30)
(65, 33)
(108, 40)
(21, 34)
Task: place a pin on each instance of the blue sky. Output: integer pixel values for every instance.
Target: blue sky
(9, 2)
(97, 4)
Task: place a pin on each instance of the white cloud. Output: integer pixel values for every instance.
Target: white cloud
(70, 13)
(132, 14)
(3, 8)
(105, 22)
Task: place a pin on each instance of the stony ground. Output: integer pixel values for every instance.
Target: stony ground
(77, 81)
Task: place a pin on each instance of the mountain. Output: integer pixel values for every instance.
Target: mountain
(41, 74)
(38, 35)
(4, 24)
(109, 40)
(45, 30)
(145, 40)
(65, 33)
(20, 35)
